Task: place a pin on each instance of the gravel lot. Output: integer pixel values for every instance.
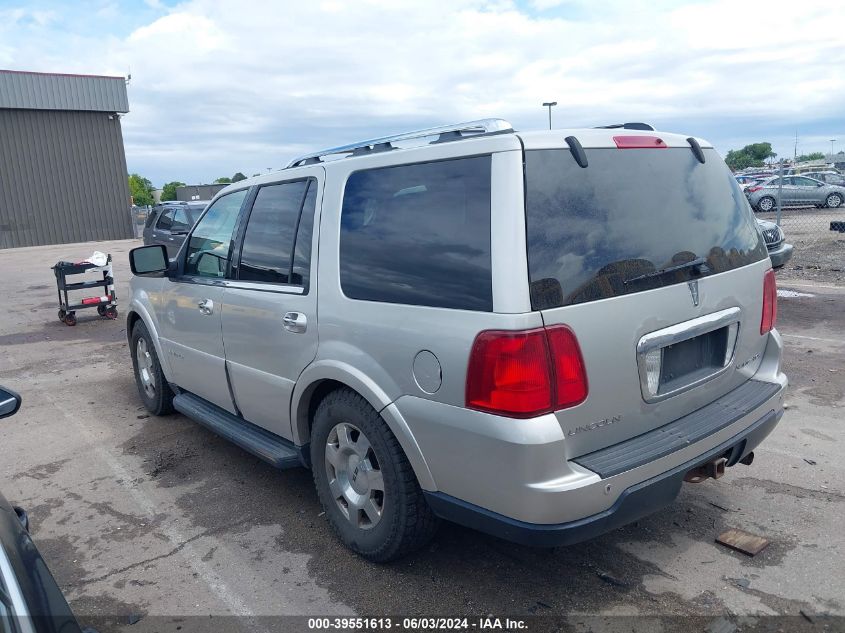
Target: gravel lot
(819, 252)
(155, 520)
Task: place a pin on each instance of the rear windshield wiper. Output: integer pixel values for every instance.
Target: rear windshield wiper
(695, 263)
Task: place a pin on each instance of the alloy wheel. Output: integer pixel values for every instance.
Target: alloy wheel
(145, 368)
(355, 478)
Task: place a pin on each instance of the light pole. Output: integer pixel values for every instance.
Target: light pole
(832, 141)
(549, 104)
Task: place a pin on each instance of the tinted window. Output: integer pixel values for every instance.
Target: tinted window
(181, 222)
(589, 236)
(804, 182)
(165, 220)
(208, 250)
(302, 249)
(266, 255)
(419, 234)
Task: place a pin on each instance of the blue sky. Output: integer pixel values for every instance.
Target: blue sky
(220, 86)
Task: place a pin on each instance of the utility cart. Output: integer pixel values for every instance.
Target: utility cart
(106, 299)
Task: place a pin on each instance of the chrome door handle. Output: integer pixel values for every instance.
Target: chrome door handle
(206, 306)
(295, 322)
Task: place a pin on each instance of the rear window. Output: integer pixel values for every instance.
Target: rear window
(601, 231)
(419, 234)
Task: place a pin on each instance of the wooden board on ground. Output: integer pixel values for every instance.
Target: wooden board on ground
(741, 541)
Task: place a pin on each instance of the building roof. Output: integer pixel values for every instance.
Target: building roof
(55, 91)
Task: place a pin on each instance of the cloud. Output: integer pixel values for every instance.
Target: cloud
(220, 86)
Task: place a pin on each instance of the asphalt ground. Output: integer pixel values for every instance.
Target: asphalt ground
(156, 524)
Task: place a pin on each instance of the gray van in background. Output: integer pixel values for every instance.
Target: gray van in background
(169, 222)
(539, 335)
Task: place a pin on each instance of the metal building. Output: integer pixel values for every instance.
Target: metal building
(62, 164)
(198, 192)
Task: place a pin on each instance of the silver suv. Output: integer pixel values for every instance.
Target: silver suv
(469, 323)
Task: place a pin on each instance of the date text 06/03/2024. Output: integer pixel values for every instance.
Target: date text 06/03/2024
(487, 623)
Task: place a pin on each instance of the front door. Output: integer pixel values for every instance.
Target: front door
(193, 302)
(270, 312)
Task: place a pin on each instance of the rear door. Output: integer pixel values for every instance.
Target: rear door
(270, 313)
(659, 272)
(807, 190)
(192, 304)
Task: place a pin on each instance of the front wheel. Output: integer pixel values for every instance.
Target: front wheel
(365, 484)
(833, 201)
(152, 385)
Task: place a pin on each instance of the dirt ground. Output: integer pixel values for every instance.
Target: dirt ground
(819, 252)
(156, 524)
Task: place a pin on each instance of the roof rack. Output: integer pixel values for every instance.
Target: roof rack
(627, 126)
(444, 133)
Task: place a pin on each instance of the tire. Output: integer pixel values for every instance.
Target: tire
(70, 319)
(766, 203)
(101, 310)
(402, 522)
(110, 313)
(153, 387)
(833, 201)
(62, 315)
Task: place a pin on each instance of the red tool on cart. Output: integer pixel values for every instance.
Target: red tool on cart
(105, 301)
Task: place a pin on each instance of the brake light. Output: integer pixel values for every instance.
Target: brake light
(753, 189)
(639, 142)
(526, 373)
(770, 303)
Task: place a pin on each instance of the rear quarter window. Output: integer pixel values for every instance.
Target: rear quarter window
(419, 234)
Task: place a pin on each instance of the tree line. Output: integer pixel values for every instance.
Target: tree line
(756, 155)
(141, 189)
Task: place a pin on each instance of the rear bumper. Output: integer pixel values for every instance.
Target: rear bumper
(634, 502)
(781, 254)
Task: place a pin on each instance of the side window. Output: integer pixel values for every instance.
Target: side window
(419, 234)
(279, 224)
(208, 250)
(165, 220)
(181, 223)
(151, 216)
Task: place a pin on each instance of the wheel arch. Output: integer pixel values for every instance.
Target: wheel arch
(324, 377)
(137, 312)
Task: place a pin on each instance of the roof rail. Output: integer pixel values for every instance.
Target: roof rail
(444, 133)
(627, 126)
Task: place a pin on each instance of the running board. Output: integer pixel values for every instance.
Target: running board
(273, 449)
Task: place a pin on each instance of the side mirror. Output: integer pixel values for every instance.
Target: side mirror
(10, 402)
(149, 261)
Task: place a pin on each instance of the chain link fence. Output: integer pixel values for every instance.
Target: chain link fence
(812, 219)
(139, 217)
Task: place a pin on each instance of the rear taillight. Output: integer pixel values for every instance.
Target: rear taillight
(753, 189)
(525, 373)
(770, 303)
(639, 142)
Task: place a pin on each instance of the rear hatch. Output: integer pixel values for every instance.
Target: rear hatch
(654, 260)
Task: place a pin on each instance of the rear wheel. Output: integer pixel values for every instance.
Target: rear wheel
(364, 481)
(152, 385)
(766, 203)
(833, 201)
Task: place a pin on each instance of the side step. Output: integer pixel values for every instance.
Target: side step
(273, 449)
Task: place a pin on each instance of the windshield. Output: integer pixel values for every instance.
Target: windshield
(630, 221)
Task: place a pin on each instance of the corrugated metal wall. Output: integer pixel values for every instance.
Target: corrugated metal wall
(47, 91)
(205, 192)
(62, 178)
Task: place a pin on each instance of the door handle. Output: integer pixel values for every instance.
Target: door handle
(206, 306)
(295, 322)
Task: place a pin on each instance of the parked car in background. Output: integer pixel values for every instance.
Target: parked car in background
(829, 177)
(169, 223)
(30, 599)
(445, 331)
(780, 251)
(795, 191)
